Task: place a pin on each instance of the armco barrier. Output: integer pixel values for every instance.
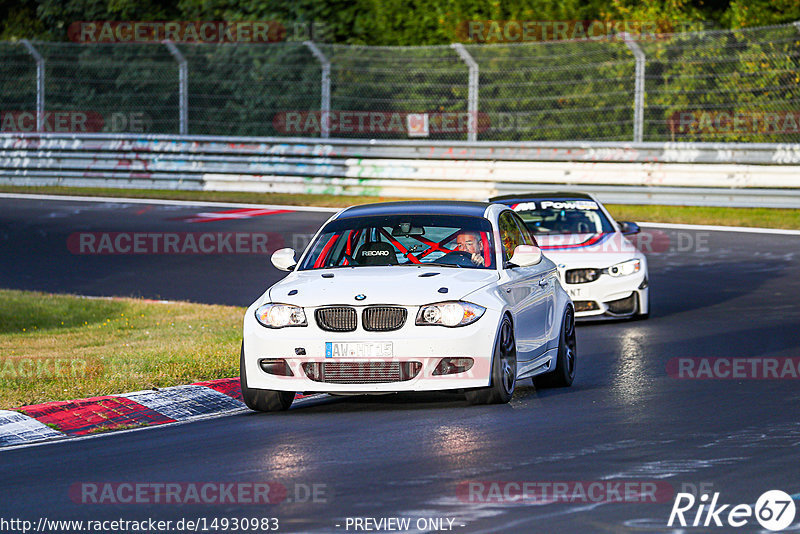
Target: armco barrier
(654, 173)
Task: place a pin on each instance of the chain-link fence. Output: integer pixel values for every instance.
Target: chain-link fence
(727, 86)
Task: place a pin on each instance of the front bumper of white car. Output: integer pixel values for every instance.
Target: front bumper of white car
(610, 297)
(409, 356)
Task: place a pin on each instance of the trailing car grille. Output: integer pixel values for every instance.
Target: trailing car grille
(585, 305)
(623, 306)
(336, 318)
(383, 318)
(361, 372)
(581, 276)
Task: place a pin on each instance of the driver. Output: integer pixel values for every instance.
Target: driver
(471, 243)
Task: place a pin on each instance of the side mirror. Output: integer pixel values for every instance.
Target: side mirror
(628, 228)
(283, 259)
(526, 255)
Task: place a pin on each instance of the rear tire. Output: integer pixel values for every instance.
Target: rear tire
(564, 373)
(262, 400)
(504, 369)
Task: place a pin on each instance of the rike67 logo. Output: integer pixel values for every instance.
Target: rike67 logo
(774, 510)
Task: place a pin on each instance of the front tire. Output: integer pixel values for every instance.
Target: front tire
(564, 373)
(504, 369)
(262, 400)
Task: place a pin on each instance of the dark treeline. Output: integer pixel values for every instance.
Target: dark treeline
(386, 22)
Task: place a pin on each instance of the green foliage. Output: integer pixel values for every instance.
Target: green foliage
(18, 20)
(752, 72)
(749, 13)
(32, 312)
(385, 22)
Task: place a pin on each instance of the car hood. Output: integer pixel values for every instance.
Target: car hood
(405, 286)
(587, 250)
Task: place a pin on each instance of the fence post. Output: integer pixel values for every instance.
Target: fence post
(638, 92)
(472, 97)
(39, 83)
(325, 98)
(183, 87)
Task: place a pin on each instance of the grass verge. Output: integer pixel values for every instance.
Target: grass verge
(759, 217)
(755, 217)
(61, 347)
(286, 199)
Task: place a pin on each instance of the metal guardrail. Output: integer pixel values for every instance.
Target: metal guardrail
(763, 175)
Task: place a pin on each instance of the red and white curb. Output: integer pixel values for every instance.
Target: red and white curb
(82, 417)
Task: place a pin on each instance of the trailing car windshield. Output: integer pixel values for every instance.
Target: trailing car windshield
(563, 216)
(442, 240)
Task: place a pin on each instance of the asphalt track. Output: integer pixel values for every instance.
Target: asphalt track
(728, 294)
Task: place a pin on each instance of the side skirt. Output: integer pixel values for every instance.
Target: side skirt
(541, 365)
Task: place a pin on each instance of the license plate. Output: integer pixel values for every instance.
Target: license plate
(343, 349)
(576, 292)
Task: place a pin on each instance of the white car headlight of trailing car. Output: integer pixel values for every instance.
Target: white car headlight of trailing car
(281, 315)
(449, 314)
(625, 268)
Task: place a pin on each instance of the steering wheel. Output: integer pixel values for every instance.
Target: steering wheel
(457, 257)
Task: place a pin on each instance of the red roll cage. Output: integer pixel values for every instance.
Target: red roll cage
(352, 237)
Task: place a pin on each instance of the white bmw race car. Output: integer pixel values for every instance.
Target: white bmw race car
(603, 272)
(410, 296)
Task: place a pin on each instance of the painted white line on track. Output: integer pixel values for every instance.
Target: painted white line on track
(713, 228)
(165, 202)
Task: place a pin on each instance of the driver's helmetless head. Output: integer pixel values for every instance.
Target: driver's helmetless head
(469, 242)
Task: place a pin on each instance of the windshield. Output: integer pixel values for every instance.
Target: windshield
(563, 216)
(445, 240)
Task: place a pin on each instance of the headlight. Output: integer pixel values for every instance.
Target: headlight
(449, 314)
(625, 268)
(280, 315)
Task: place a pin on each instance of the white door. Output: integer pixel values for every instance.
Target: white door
(529, 291)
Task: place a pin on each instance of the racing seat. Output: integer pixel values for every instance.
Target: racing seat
(376, 253)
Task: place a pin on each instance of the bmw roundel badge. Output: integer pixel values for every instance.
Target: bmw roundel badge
(361, 296)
